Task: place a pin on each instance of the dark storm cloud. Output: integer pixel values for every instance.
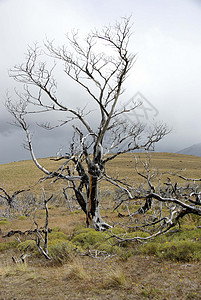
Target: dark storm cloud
(167, 72)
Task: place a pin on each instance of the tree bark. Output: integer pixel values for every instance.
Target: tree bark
(94, 218)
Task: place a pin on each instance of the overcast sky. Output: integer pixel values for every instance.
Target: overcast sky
(167, 40)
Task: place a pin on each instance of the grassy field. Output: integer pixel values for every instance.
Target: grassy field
(166, 268)
(24, 174)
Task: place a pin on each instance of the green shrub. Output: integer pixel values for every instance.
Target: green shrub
(184, 234)
(118, 230)
(8, 245)
(134, 234)
(190, 221)
(57, 235)
(89, 238)
(4, 222)
(124, 235)
(56, 229)
(151, 248)
(27, 246)
(108, 248)
(182, 250)
(22, 218)
(124, 255)
(142, 234)
(60, 252)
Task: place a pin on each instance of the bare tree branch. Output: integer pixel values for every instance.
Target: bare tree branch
(101, 74)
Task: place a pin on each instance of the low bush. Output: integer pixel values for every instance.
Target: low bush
(57, 235)
(89, 238)
(56, 229)
(22, 218)
(182, 250)
(61, 252)
(8, 245)
(4, 222)
(27, 246)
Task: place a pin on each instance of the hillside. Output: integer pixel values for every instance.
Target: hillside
(192, 150)
(24, 174)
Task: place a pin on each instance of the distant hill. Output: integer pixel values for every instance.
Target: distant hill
(192, 150)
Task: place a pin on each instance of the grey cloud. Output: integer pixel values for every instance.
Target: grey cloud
(167, 71)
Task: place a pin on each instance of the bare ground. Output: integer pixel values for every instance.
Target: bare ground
(145, 278)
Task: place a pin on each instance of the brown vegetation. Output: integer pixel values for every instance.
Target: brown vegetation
(24, 174)
(119, 277)
(157, 270)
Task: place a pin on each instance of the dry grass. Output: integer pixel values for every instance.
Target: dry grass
(163, 162)
(18, 269)
(24, 174)
(137, 278)
(115, 278)
(75, 270)
(81, 277)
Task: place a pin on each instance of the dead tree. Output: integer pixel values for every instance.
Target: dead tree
(10, 198)
(39, 235)
(166, 202)
(102, 76)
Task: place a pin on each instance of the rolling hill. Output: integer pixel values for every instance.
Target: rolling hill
(24, 174)
(192, 150)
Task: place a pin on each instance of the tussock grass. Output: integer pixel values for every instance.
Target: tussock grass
(155, 270)
(75, 270)
(13, 270)
(115, 278)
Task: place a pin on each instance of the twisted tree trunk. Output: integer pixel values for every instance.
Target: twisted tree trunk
(94, 218)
